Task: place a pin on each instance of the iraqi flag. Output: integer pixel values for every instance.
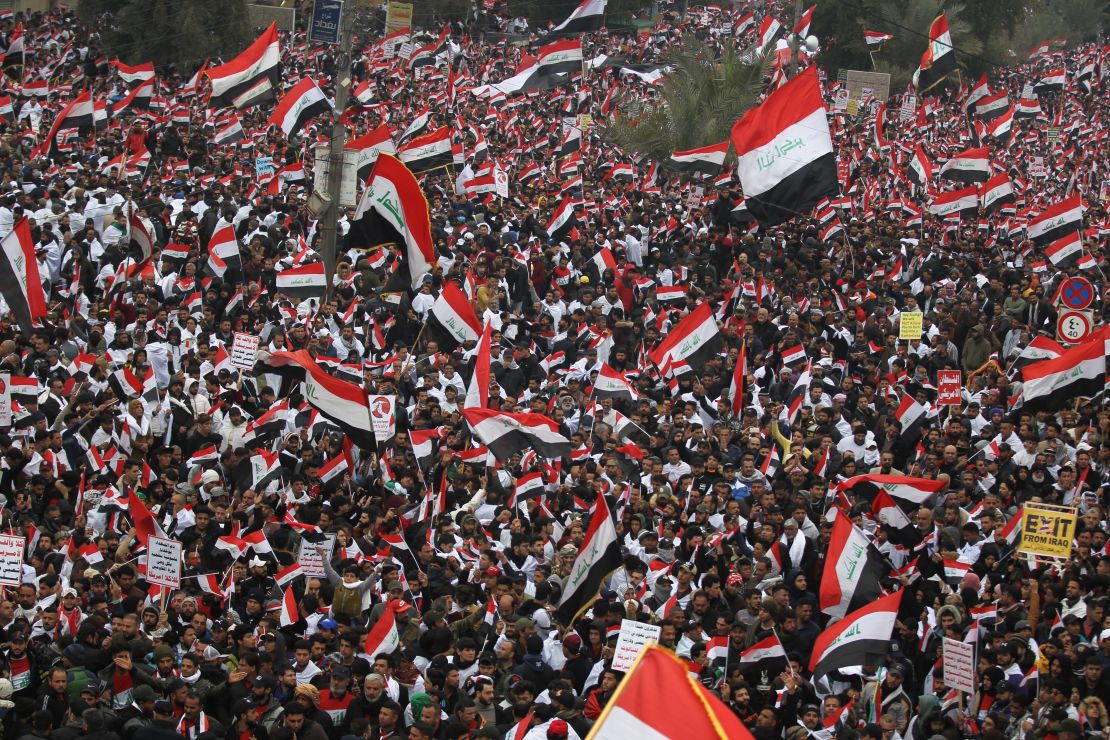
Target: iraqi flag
(1000, 127)
(393, 209)
(527, 487)
(507, 434)
(423, 443)
(707, 160)
(1056, 221)
(369, 146)
(232, 133)
(853, 570)
(331, 473)
(559, 57)
(860, 638)
(785, 156)
(562, 221)
(14, 57)
(301, 104)
(140, 238)
(876, 38)
(910, 416)
(77, 114)
(138, 99)
(1063, 252)
(258, 470)
(586, 17)
(693, 341)
(1039, 348)
(427, 152)
(767, 655)
(963, 203)
(383, 638)
(913, 490)
(131, 75)
(20, 283)
(477, 391)
(991, 106)
(996, 192)
(598, 556)
(306, 281)
(223, 250)
(612, 384)
(342, 403)
(736, 387)
(939, 59)
(920, 170)
(290, 614)
(689, 710)
(1078, 373)
(453, 318)
(972, 165)
(769, 31)
(1054, 80)
(250, 78)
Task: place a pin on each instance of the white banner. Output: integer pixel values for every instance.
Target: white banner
(311, 562)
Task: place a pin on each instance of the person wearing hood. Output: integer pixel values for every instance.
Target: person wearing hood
(918, 729)
(531, 666)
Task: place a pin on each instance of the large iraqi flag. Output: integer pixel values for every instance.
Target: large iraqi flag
(785, 155)
(857, 639)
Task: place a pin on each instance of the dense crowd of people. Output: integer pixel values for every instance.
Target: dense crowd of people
(724, 507)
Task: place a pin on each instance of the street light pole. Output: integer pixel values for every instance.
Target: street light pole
(329, 217)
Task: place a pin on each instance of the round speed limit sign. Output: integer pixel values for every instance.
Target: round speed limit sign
(1073, 326)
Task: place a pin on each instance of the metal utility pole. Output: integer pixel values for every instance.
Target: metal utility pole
(794, 39)
(329, 217)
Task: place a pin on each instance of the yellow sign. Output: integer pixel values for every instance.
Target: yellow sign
(909, 325)
(398, 17)
(1047, 531)
(584, 122)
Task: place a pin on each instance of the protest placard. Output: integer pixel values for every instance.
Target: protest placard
(163, 562)
(11, 559)
(631, 640)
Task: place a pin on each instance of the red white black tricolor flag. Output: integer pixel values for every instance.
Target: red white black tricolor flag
(612, 384)
(306, 281)
(786, 161)
(996, 192)
(1057, 221)
(507, 434)
(599, 555)
(853, 570)
(250, 78)
(559, 57)
(453, 315)
(562, 220)
(1078, 373)
(973, 165)
(858, 638)
(939, 59)
(301, 104)
(393, 209)
(914, 490)
(709, 160)
(693, 341)
(20, 283)
(920, 170)
(427, 152)
(586, 17)
(368, 146)
(963, 203)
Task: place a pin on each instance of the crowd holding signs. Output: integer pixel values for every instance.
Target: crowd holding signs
(802, 433)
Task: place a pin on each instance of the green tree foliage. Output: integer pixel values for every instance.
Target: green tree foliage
(170, 31)
(699, 99)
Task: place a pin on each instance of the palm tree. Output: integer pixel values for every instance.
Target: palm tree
(699, 99)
